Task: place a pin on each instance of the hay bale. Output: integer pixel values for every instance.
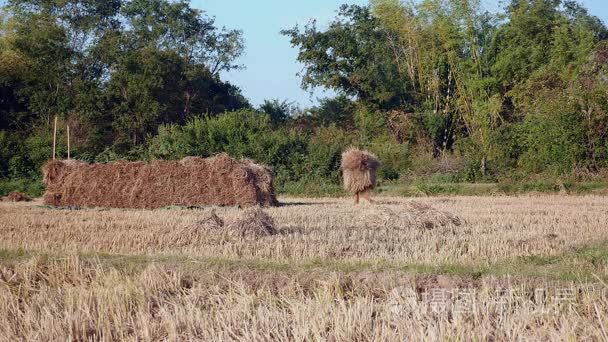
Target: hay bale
(193, 181)
(262, 177)
(16, 196)
(359, 170)
(254, 223)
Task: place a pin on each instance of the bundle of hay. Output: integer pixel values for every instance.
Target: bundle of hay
(209, 222)
(16, 196)
(193, 181)
(427, 217)
(198, 231)
(411, 215)
(359, 170)
(254, 223)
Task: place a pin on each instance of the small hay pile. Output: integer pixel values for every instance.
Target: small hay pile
(193, 233)
(16, 196)
(417, 215)
(359, 170)
(193, 181)
(209, 222)
(252, 224)
(428, 217)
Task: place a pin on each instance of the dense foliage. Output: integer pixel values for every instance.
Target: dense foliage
(439, 87)
(523, 90)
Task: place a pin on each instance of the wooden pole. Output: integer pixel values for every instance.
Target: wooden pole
(68, 142)
(55, 137)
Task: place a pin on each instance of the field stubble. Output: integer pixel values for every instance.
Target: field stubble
(332, 271)
(433, 230)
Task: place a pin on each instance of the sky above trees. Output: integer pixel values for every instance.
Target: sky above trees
(271, 61)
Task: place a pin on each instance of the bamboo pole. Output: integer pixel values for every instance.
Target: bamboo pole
(68, 142)
(54, 137)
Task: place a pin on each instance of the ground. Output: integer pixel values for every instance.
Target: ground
(528, 267)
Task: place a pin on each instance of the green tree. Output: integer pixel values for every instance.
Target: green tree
(116, 69)
(351, 57)
(279, 111)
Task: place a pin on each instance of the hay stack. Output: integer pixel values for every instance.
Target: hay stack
(427, 217)
(359, 170)
(193, 181)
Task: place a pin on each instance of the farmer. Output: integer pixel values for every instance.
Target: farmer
(359, 172)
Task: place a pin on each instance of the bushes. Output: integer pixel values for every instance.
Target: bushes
(5, 154)
(552, 139)
(30, 186)
(242, 134)
(395, 158)
(298, 159)
(307, 161)
(19, 164)
(20, 158)
(236, 133)
(324, 152)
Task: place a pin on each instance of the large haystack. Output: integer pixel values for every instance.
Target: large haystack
(359, 170)
(193, 181)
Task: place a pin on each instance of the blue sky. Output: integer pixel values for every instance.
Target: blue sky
(270, 61)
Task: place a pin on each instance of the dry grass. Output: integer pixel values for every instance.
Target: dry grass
(71, 299)
(332, 271)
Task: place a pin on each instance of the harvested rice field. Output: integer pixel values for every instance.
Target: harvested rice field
(480, 268)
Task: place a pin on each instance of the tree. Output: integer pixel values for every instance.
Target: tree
(13, 67)
(178, 27)
(278, 111)
(117, 69)
(338, 111)
(351, 57)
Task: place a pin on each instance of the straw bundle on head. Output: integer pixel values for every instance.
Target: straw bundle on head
(359, 170)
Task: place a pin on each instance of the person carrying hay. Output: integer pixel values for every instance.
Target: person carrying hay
(359, 172)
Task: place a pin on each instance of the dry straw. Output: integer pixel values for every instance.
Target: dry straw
(193, 181)
(416, 215)
(251, 224)
(254, 223)
(195, 233)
